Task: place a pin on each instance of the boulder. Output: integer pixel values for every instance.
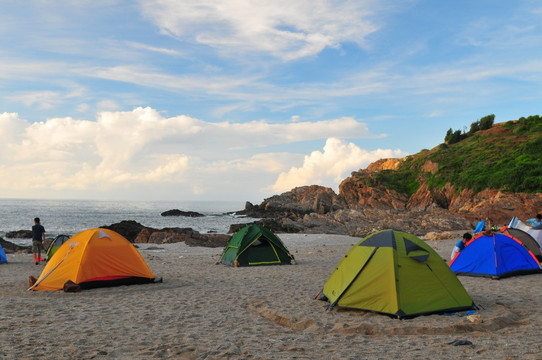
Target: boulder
(19, 234)
(137, 234)
(209, 240)
(187, 235)
(130, 229)
(10, 247)
(170, 235)
(143, 236)
(297, 203)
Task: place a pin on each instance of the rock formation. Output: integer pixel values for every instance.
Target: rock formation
(10, 247)
(363, 205)
(137, 233)
(177, 212)
(19, 234)
(297, 203)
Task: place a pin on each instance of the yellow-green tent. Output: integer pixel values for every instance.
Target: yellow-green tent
(395, 273)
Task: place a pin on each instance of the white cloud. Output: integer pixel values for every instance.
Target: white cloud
(47, 99)
(330, 167)
(82, 107)
(141, 149)
(154, 49)
(295, 118)
(282, 28)
(11, 128)
(107, 105)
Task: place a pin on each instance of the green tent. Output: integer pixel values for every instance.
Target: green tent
(255, 245)
(395, 273)
(55, 244)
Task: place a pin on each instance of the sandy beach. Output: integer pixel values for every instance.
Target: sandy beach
(204, 310)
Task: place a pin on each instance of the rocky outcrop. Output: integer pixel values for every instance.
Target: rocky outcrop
(494, 205)
(177, 212)
(130, 229)
(363, 205)
(187, 235)
(384, 164)
(19, 234)
(361, 190)
(278, 225)
(499, 207)
(10, 247)
(359, 223)
(137, 233)
(426, 198)
(297, 202)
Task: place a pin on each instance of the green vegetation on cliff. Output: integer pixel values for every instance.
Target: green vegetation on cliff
(505, 156)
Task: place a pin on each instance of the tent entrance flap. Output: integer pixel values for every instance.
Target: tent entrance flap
(261, 255)
(332, 305)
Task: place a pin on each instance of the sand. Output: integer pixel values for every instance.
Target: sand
(207, 311)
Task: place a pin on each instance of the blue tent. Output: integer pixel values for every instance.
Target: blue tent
(3, 258)
(496, 255)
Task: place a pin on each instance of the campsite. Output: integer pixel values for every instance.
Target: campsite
(254, 180)
(208, 310)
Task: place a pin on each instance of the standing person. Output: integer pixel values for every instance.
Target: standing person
(461, 244)
(38, 239)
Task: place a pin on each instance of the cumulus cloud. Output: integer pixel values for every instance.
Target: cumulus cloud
(11, 130)
(330, 166)
(141, 149)
(282, 28)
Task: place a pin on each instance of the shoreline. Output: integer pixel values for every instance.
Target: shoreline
(207, 311)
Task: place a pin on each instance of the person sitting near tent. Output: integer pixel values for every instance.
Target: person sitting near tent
(461, 244)
(536, 222)
(38, 239)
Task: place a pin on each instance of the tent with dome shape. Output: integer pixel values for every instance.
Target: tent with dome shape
(395, 273)
(3, 257)
(495, 255)
(94, 258)
(255, 245)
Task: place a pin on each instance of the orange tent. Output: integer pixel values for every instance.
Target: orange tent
(93, 258)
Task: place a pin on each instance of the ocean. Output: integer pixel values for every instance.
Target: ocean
(72, 216)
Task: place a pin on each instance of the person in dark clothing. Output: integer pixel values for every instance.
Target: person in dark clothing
(38, 240)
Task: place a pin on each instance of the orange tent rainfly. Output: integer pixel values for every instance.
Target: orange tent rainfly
(94, 258)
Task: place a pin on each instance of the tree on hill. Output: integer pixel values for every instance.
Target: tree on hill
(484, 123)
(453, 137)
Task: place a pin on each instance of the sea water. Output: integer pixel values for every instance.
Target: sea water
(69, 217)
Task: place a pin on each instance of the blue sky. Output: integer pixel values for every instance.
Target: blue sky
(241, 100)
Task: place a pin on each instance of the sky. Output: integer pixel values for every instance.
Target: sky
(240, 100)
